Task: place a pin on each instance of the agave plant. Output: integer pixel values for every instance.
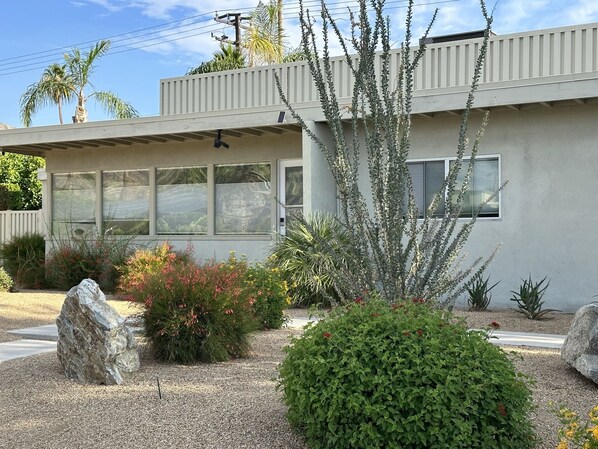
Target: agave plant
(479, 293)
(529, 299)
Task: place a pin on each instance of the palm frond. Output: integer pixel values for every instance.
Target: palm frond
(114, 105)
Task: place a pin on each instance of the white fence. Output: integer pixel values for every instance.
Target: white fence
(14, 223)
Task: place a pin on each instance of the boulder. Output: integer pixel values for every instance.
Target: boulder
(94, 344)
(580, 350)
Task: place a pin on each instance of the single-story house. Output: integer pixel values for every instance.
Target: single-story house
(211, 168)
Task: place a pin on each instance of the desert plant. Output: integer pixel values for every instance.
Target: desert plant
(529, 299)
(193, 313)
(267, 292)
(407, 375)
(308, 255)
(576, 433)
(94, 256)
(6, 282)
(478, 293)
(144, 262)
(24, 259)
(391, 249)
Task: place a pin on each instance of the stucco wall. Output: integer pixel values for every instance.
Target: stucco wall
(254, 149)
(549, 207)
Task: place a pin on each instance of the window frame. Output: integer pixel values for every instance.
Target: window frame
(211, 234)
(447, 160)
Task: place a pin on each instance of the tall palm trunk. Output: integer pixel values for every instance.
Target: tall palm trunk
(80, 112)
(280, 27)
(60, 112)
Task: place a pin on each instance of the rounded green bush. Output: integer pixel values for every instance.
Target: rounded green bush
(403, 376)
(24, 259)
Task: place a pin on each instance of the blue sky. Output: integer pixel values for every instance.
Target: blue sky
(154, 39)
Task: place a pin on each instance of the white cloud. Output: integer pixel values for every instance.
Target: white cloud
(583, 11)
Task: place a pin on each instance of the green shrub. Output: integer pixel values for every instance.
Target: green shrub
(268, 294)
(529, 299)
(403, 376)
(192, 313)
(6, 282)
(479, 294)
(307, 255)
(24, 259)
(10, 197)
(87, 256)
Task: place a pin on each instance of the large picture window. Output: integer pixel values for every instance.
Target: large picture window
(243, 199)
(182, 200)
(126, 201)
(73, 203)
(428, 177)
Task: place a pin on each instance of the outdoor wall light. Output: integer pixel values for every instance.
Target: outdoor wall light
(218, 141)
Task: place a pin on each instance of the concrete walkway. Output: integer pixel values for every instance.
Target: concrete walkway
(37, 340)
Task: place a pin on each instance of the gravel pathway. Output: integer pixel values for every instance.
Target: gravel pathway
(221, 406)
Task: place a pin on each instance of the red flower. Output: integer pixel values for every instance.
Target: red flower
(419, 332)
(495, 325)
(418, 300)
(358, 300)
(327, 335)
(501, 409)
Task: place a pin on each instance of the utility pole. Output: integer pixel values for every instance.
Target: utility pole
(232, 19)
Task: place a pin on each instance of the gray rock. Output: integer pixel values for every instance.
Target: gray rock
(580, 350)
(94, 344)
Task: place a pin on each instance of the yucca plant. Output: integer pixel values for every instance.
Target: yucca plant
(529, 299)
(479, 294)
(307, 256)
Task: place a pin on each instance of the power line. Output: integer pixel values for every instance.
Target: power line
(131, 42)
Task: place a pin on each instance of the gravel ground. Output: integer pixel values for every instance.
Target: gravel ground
(221, 406)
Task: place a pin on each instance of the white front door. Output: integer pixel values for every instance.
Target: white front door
(290, 192)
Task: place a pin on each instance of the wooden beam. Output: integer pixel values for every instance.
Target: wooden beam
(251, 131)
(155, 139)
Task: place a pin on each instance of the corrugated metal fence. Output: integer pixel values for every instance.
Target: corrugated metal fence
(18, 222)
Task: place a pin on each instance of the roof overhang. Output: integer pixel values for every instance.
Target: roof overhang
(38, 141)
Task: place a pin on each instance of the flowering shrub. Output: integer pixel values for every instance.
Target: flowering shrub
(87, 256)
(403, 376)
(192, 313)
(145, 261)
(575, 434)
(264, 289)
(268, 294)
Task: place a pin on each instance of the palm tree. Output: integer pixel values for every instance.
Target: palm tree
(228, 58)
(53, 87)
(76, 73)
(264, 38)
